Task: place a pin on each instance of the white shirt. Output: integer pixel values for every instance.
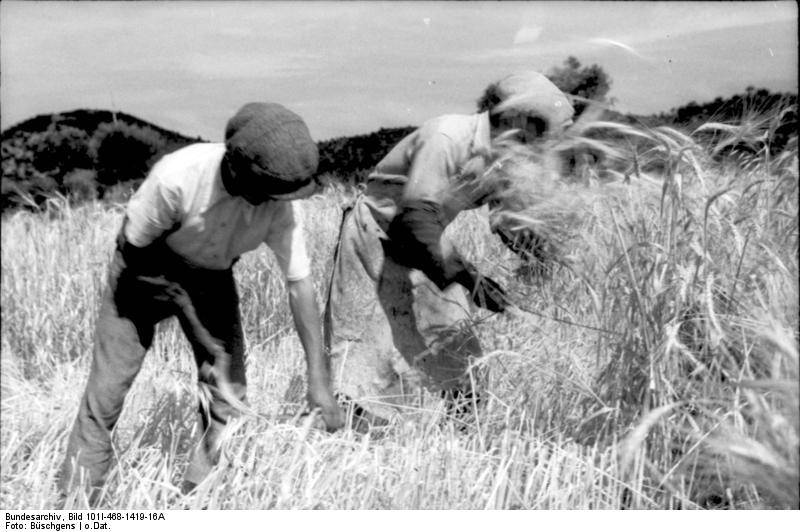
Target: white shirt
(432, 161)
(210, 228)
(439, 149)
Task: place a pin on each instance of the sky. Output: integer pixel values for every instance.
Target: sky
(352, 67)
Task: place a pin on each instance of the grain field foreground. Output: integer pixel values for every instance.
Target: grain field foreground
(658, 370)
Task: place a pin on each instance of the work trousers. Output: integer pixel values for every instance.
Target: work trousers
(129, 311)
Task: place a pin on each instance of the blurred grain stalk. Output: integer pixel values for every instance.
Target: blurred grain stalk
(689, 253)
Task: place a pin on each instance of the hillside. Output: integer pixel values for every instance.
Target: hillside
(349, 157)
(84, 154)
(79, 153)
(88, 120)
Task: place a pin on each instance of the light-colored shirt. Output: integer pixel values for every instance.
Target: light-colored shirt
(210, 228)
(431, 162)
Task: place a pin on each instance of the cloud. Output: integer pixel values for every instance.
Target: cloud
(602, 41)
(680, 21)
(527, 34)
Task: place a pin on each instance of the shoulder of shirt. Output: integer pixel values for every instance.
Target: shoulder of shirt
(455, 127)
(175, 169)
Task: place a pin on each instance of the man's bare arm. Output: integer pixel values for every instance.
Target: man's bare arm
(303, 304)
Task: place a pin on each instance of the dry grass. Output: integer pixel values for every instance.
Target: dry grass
(688, 399)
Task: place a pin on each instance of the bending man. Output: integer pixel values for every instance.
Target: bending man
(397, 319)
(199, 209)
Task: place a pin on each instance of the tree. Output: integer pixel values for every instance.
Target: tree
(60, 149)
(81, 184)
(124, 152)
(589, 82)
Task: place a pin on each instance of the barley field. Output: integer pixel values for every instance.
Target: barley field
(655, 366)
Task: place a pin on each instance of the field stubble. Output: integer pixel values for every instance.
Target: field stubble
(656, 366)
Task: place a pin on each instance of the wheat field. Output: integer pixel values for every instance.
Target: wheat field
(656, 367)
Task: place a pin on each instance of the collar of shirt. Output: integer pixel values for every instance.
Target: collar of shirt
(220, 194)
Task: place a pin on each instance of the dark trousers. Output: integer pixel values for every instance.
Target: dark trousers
(129, 311)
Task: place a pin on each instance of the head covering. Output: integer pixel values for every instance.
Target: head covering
(269, 149)
(531, 93)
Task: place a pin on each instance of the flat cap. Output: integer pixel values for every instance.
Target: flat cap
(533, 94)
(267, 142)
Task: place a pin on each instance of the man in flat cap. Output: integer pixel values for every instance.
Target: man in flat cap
(199, 209)
(398, 319)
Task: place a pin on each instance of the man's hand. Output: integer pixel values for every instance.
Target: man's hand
(523, 242)
(307, 322)
(488, 294)
(533, 249)
(329, 409)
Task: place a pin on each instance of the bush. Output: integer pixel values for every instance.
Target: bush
(31, 193)
(123, 152)
(9, 193)
(59, 149)
(121, 192)
(34, 165)
(352, 158)
(81, 184)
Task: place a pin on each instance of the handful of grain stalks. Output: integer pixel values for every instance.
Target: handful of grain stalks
(550, 189)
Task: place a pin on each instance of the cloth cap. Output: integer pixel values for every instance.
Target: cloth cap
(531, 93)
(271, 144)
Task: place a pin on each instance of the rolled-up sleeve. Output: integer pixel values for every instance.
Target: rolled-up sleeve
(153, 210)
(287, 241)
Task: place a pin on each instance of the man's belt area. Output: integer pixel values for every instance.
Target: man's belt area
(415, 236)
(152, 260)
(415, 242)
(155, 272)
